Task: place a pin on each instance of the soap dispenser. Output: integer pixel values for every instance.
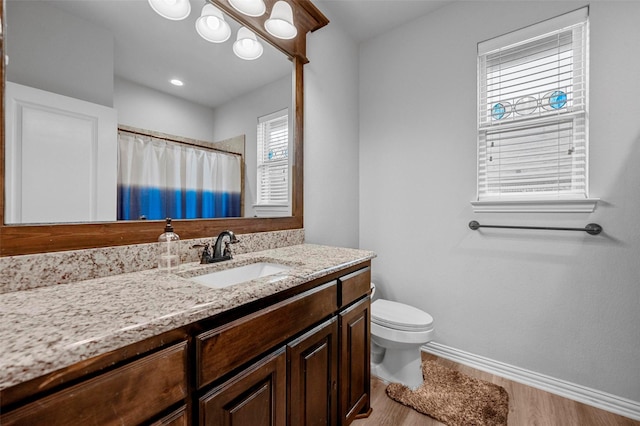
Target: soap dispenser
(168, 255)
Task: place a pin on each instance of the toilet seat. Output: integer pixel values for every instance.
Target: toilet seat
(399, 316)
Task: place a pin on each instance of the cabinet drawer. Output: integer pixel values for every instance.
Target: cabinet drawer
(354, 285)
(133, 393)
(224, 348)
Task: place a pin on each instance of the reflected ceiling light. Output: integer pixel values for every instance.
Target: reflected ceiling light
(176, 82)
(249, 7)
(211, 25)
(280, 23)
(174, 10)
(247, 45)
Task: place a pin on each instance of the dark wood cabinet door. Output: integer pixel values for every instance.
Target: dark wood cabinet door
(255, 397)
(355, 373)
(313, 376)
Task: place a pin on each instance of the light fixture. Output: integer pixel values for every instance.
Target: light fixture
(176, 82)
(249, 7)
(211, 25)
(280, 23)
(174, 10)
(247, 45)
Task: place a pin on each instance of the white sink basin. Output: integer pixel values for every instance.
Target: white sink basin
(240, 274)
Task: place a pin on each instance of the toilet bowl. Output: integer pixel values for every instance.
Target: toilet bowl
(397, 333)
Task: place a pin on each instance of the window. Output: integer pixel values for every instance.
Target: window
(273, 159)
(533, 118)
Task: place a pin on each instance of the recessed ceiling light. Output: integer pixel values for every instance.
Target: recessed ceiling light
(176, 82)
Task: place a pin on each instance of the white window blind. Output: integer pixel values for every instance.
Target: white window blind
(273, 159)
(532, 112)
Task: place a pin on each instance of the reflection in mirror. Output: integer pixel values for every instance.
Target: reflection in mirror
(92, 66)
(201, 180)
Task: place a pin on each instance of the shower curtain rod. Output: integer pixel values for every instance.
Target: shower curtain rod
(176, 139)
(591, 229)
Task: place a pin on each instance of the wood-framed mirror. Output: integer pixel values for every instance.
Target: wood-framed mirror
(17, 239)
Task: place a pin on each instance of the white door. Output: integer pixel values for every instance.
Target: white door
(61, 158)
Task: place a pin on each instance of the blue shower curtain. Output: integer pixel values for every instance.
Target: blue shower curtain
(159, 178)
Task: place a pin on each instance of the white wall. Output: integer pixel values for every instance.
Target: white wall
(561, 304)
(331, 138)
(77, 54)
(149, 109)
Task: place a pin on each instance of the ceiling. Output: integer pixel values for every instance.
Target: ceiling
(365, 19)
(150, 50)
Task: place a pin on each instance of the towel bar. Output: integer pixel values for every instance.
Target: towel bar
(591, 229)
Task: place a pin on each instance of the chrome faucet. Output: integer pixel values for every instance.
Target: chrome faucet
(218, 254)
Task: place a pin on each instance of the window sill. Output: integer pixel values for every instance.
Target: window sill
(272, 210)
(586, 205)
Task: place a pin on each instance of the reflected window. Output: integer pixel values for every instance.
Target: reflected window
(273, 159)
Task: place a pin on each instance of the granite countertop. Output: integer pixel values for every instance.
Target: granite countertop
(48, 328)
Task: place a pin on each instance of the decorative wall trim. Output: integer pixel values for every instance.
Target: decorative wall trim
(605, 401)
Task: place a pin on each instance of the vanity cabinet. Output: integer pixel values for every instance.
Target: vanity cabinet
(299, 357)
(321, 335)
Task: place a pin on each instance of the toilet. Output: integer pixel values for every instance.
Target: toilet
(397, 333)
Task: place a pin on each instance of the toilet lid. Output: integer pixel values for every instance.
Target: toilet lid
(399, 316)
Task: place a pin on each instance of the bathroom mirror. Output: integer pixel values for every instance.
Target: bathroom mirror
(117, 60)
(24, 239)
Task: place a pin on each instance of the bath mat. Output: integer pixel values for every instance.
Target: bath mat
(453, 398)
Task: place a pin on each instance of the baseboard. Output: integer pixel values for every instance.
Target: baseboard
(605, 401)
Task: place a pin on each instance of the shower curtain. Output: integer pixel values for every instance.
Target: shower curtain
(159, 178)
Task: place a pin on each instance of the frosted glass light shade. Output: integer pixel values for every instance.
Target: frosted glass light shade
(212, 26)
(247, 45)
(249, 7)
(174, 10)
(280, 23)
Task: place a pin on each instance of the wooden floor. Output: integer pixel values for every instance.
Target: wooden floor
(527, 406)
